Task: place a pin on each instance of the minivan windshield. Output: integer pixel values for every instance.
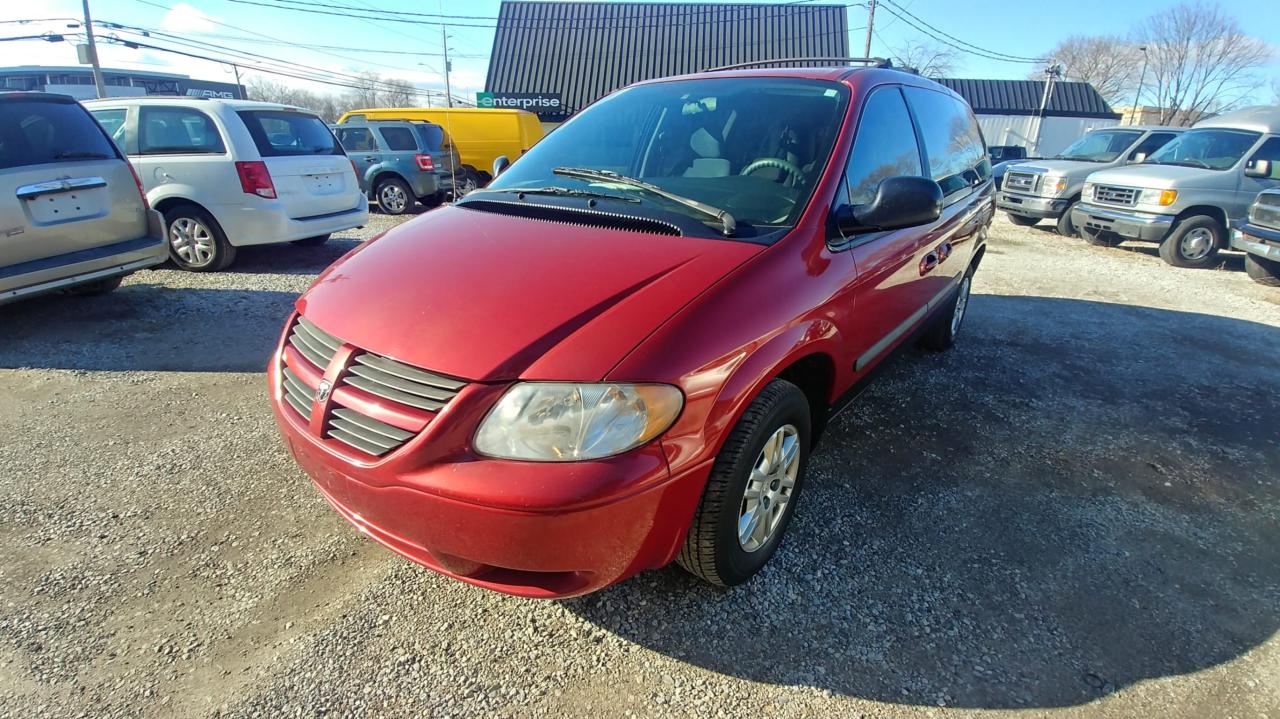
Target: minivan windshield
(279, 133)
(35, 132)
(1100, 146)
(753, 147)
(1208, 148)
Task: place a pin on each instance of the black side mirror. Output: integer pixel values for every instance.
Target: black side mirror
(899, 202)
(500, 163)
(1258, 168)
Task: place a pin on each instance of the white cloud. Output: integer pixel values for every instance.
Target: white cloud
(187, 18)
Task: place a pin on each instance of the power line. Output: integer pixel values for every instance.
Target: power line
(947, 38)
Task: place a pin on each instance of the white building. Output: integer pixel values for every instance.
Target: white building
(1009, 112)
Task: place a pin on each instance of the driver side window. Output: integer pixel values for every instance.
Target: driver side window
(884, 146)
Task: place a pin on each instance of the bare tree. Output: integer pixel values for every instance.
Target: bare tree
(398, 93)
(929, 58)
(1107, 62)
(1200, 61)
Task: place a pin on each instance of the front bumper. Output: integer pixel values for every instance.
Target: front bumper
(1130, 224)
(425, 184)
(1031, 205)
(530, 529)
(1256, 241)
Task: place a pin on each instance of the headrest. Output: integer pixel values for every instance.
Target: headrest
(704, 143)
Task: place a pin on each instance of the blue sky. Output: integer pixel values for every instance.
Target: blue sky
(1018, 28)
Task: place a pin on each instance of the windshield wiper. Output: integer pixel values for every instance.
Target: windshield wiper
(1077, 158)
(558, 191)
(728, 226)
(1189, 162)
(73, 155)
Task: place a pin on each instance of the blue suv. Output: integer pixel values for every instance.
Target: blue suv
(399, 162)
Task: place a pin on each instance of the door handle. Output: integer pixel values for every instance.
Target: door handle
(370, 159)
(928, 262)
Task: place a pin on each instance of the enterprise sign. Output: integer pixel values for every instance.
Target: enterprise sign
(537, 102)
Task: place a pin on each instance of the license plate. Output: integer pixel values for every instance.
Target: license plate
(66, 206)
(324, 184)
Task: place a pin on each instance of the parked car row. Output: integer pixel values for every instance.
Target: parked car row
(1182, 188)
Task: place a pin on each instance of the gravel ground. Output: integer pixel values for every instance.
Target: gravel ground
(1073, 513)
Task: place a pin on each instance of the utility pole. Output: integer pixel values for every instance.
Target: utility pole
(871, 25)
(239, 90)
(444, 41)
(93, 52)
(1051, 73)
(1137, 97)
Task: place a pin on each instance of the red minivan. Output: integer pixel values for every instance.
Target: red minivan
(622, 352)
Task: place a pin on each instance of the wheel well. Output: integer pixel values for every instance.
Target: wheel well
(1216, 213)
(380, 177)
(169, 203)
(814, 374)
(977, 257)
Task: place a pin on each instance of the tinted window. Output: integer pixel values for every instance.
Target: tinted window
(432, 136)
(1100, 145)
(957, 155)
(112, 121)
(177, 131)
(1269, 151)
(885, 145)
(279, 133)
(754, 147)
(34, 133)
(399, 138)
(1152, 142)
(356, 139)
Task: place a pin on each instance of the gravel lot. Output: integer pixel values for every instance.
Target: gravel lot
(1073, 513)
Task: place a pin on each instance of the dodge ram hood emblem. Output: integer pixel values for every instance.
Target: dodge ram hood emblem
(322, 392)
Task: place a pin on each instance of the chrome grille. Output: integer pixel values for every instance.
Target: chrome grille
(313, 343)
(401, 383)
(1022, 181)
(412, 396)
(1111, 195)
(365, 433)
(297, 393)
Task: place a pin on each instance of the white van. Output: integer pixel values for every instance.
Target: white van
(230, 173)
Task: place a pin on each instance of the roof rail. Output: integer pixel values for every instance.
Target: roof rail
(872, 61)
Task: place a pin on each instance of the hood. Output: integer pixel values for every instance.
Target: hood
(1162, 177)
(483, 296)
(1068, 168)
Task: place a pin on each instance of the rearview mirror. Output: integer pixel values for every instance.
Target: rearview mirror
(1258, 168)
(899, 202)
(1137, 157)
(500, 163)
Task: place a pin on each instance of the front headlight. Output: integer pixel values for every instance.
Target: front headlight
(1053, 186)
(564, 422)
(1162, 198)
(1087, 191)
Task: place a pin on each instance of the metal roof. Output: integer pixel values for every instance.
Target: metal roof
(1022, 97)
(581, 51)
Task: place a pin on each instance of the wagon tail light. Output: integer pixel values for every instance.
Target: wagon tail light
(138, 181)
(255, 179)
(424, 163)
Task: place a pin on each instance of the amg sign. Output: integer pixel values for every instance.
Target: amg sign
(538, 102)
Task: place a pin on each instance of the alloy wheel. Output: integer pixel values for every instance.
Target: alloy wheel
(192, 241)
(769, 488)
(962, 302)
(392, 198)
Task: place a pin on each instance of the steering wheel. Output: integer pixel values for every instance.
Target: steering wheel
(795, 173)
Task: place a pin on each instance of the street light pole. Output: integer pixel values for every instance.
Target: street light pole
(93, 52)
(1141, 78)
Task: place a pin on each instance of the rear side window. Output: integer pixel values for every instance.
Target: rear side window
(884, 147)
(356, 139)
(957, 156)
(1151, 143)
(399, 138)
(177, 131)
(432, 136)
(34, 132)
(282, 133)
(112, 121)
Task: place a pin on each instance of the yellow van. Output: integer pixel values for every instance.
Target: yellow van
(479, 134)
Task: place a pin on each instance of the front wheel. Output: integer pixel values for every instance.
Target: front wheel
(751, 494)
(942, 335)
(1194, 242)
(467, 181)
(97, 287)
(1021, 221)
(1065, 226)
(1262, 270)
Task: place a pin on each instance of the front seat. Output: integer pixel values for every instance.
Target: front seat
(708, 162)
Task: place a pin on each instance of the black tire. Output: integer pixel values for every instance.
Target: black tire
(432, 200)
(1180, 248)
(941, 334)
(1065, 226)
(212, 251)
(1262, 270)
(1098, 238)
(97, 287)
(468, 180)
(1022, 221)
(394, 196)
(712, 550)
(311, 241)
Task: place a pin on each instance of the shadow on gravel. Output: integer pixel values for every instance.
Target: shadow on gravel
(287, 259)
(146, 327)
(1080, 496)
